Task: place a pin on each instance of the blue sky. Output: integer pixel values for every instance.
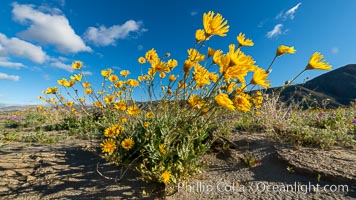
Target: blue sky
(39, 39)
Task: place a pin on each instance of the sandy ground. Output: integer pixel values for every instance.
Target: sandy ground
(69, 171)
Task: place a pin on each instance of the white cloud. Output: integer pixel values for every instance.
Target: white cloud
(103, 36)
(4, 76)
(5, 62)
(68, 67)
(9, 64)
(335, 50)
(20, 48)
(46, 77)
(277, 30)
(48, 28)
(36, 69)
(61, 65)
(280, 15)
(117, 67)
(193, 13)
(87, 73)
(289, 13)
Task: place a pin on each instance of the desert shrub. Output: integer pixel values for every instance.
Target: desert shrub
(318, 127)
(164, 137)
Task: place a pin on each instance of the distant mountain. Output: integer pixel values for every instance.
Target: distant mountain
(3, 105)
(338, 86)
(8, 107)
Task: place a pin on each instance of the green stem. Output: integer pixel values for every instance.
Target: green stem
(285, 86)
(296, 77)
(270, 65)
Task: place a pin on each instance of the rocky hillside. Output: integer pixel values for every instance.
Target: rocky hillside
(338, 86)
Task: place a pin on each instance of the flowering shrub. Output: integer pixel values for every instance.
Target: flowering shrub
(164, 137)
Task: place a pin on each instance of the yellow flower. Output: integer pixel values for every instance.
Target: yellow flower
(172, 63)
(101, 92)
(98, 104)
(76, 77)
(125, 73)
(69, 83)
(166, 177)
(213, 77)
(88, 91)
(66, 83)
(146, 124)
(211, 52)
(195, 56)
(108, 146)
(258, 99)
(201, 76)
(214, 25)
(62, 81)
(162, 149)
(260, 78)
(187, 65)
(141, 60)
(195, 101)
(119, 84)
(224, 63)
(172, 78)
(242, 102)
(182, 84)
(51, 90)
(239, 58)
(69, 103)
(162, 75)
(82, 99)
(110, 131)
(133, 83)
(86, 84)
(205, 110)
(113, 78)
(216, 56)
(151, 72)
(119, 93)
(160, 66)
(108, 99)
(133, 110)
(200, 35)
(316, 62)
(119, 129)
(235, 64)
(244, 42)
(77, 65)
(127, 143)
(284, 49)
(231, 87)
(123, 119)
(106, 73)
(120, 105)
(150, 115)
(113, 130)
(151, 55)
(223, 100)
